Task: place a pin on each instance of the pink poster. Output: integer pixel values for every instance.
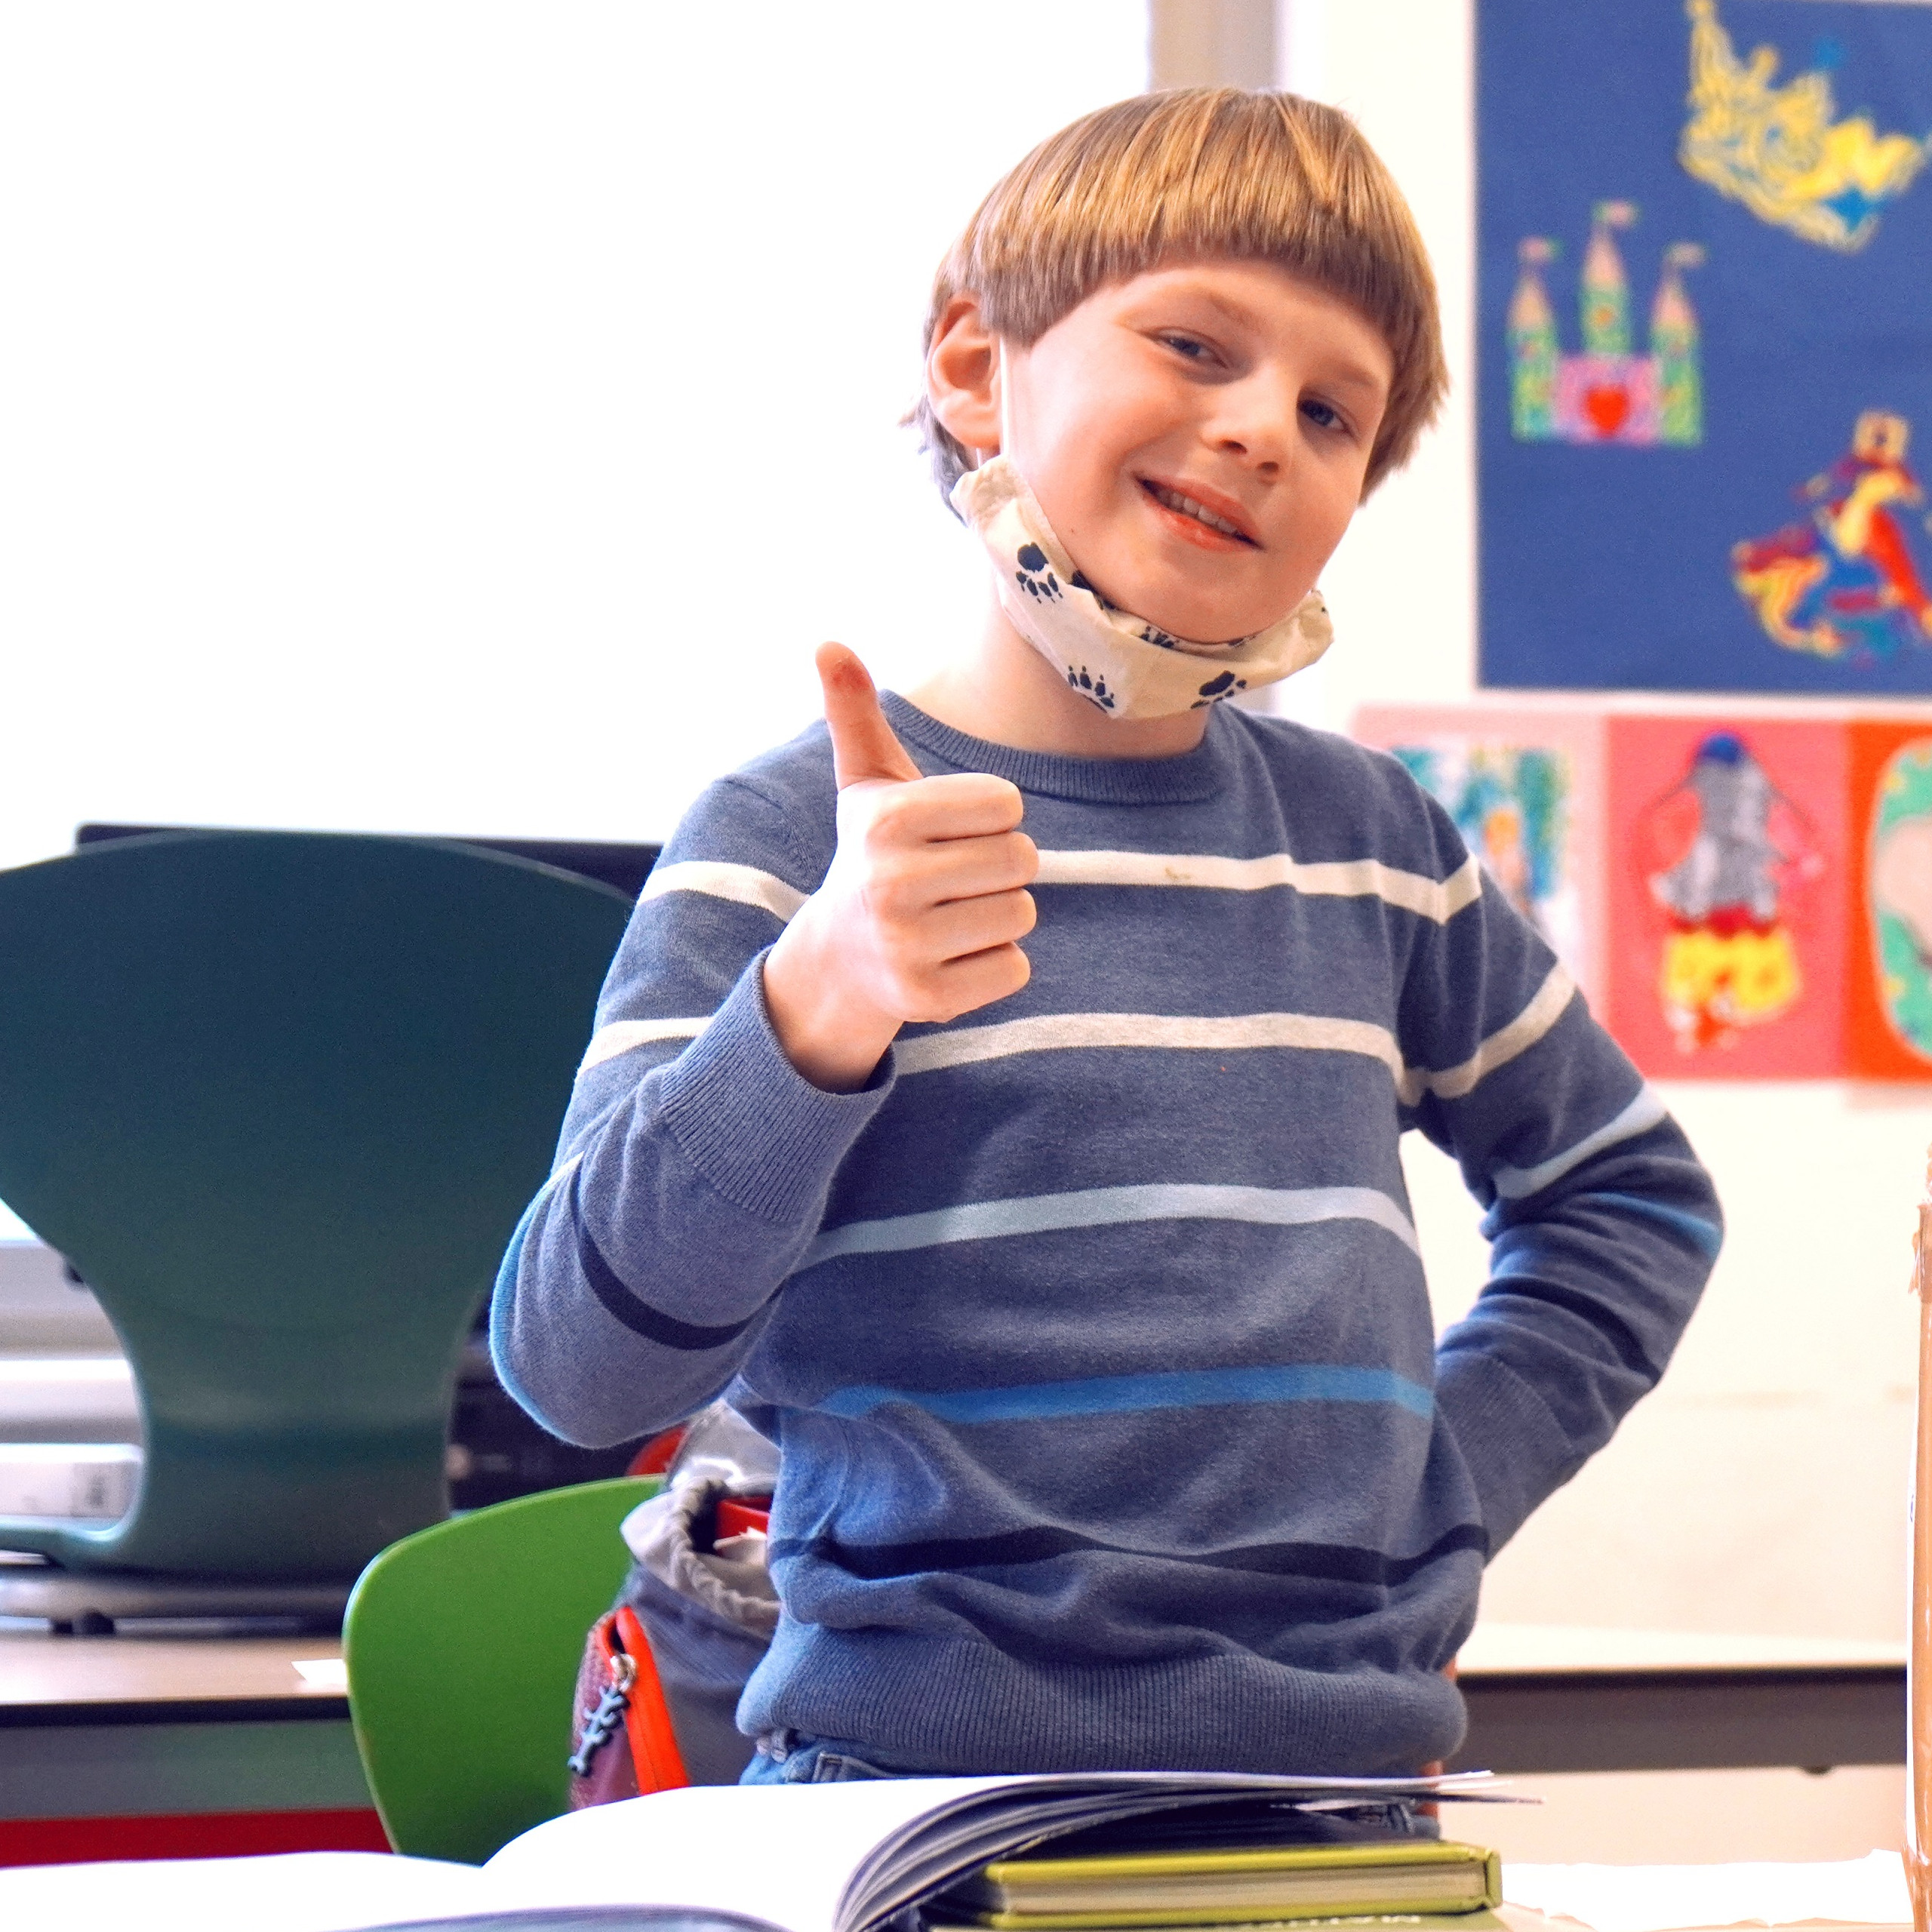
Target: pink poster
(1727, 901)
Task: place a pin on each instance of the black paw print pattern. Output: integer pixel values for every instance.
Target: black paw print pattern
(1078, 580)
(1153, 634)
(1035, 575)
(1092, 688)
(1215, 689)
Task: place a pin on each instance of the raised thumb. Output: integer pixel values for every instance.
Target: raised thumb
(862, 744)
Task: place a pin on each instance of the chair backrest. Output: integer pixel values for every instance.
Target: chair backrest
(281, 1097)
(463, 1642)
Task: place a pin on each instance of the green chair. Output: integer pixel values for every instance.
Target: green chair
(463, 1642)
(281, 1098)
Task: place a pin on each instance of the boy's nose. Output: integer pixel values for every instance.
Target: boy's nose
(1254, 424)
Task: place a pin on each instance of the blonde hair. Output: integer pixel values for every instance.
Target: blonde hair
(1201, 172)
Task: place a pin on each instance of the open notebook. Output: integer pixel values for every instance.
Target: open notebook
(800, 1858)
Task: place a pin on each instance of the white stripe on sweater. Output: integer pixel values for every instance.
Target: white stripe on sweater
(743, 885)
(1298, 1031)
(1305, 1032)
(1639, 1117)
(1182, 1031)
(1111, 1206)
(621, 1035)
(1346, 879)
(1548, 1006)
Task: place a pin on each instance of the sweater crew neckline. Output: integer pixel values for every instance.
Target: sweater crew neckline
(1187, 779)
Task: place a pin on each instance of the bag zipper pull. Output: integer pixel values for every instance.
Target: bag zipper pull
(608, 1714)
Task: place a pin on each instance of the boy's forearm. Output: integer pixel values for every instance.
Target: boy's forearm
(641, 1277)
(1592, 1284)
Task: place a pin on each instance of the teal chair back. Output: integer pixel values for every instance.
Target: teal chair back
(281, 1098)
(463, 1643)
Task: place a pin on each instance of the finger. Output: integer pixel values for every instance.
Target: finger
(963, 985)
(958, 805)
(862, 744)
(941, 871)
(968, 926)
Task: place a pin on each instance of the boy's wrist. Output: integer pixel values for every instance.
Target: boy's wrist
(835, 1039)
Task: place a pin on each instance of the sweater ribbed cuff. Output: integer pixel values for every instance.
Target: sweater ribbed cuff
(752, 1125)
(1515, 1451)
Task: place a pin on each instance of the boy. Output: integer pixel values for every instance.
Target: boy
(1070, 1264)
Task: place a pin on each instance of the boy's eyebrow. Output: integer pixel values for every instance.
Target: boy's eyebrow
(1352, 376)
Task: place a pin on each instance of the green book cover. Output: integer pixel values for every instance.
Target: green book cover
(1245, 1885)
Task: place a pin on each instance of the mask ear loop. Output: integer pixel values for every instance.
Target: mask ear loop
(1005, 412)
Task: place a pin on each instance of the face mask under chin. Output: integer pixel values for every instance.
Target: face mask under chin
(1121, 663)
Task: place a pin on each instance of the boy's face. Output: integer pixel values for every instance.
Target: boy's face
(1253, 394)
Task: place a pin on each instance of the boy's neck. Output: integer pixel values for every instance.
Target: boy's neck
(1004, 691)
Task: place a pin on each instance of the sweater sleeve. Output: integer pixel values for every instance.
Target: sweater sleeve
(695, 1160)
(1603, 1224)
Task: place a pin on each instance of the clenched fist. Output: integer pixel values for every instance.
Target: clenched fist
(922, 913)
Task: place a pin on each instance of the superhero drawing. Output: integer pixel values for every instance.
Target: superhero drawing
(1720, 853)
(1845, 583)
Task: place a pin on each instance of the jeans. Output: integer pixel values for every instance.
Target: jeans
(785, 1757)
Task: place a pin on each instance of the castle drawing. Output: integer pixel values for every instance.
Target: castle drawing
(1605, 393)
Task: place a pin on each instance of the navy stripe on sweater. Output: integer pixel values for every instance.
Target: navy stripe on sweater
(636, 1315)
(1326, 1563)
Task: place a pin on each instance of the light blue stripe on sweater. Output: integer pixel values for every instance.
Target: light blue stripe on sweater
(1109, 1207)
(1118, 1394)
(1701, 1234)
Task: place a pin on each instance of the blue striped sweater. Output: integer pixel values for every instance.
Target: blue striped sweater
(1094, 1331)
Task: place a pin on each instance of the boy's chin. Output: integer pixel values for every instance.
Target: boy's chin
(1215, 626)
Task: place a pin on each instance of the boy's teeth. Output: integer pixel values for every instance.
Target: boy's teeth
(1187, 506)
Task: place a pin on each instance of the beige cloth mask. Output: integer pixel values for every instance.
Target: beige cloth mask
(1126, 666)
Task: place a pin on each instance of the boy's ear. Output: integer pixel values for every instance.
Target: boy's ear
(963, 377)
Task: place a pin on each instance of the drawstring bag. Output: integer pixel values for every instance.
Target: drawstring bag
(657, 1693)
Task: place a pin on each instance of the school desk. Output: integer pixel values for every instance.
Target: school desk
(134, 1746)
(186, 1746)
(1562, 1698)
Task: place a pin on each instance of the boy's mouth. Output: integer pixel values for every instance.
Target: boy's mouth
(1183, 504)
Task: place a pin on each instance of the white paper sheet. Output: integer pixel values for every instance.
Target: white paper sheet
(1665, 1898)
(778, 1852)
(297, 1891)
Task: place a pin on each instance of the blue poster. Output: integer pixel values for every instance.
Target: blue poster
(1704, 391)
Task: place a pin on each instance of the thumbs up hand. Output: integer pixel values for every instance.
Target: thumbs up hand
(922, 910)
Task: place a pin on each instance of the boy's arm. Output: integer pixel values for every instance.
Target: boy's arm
(741, 1049)
(1604, 1224)
(695, 1159)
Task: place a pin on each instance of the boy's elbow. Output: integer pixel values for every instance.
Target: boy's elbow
(546, 1381)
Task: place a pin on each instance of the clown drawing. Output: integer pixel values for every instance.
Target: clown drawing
(1728, 961)
(1844, 584)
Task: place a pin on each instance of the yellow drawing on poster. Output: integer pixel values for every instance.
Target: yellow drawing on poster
(1779, 151)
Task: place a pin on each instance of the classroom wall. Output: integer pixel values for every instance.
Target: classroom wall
(1762, 1487)
(467, 416)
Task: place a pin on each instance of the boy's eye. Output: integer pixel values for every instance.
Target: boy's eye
(1188, 345)
(1323, 415)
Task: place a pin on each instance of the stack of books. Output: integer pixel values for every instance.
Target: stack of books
(1419, 1881)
